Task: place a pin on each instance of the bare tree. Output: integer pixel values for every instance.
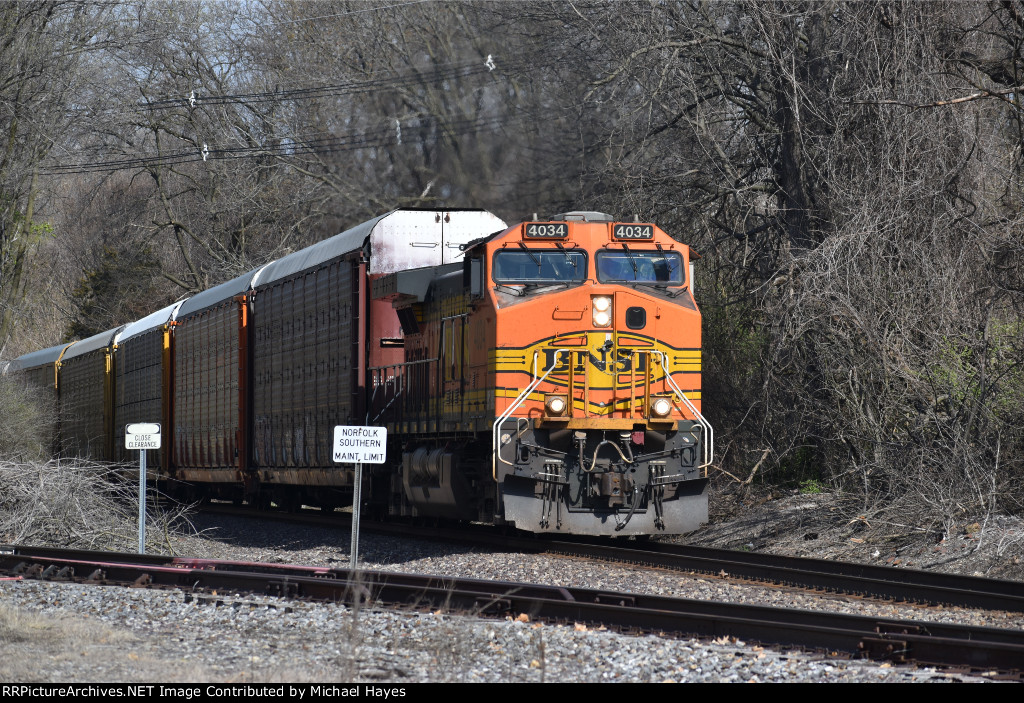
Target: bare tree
(42, 50)
(851, 173)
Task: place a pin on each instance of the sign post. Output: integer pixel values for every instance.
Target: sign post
(142, 436)
(355, 444)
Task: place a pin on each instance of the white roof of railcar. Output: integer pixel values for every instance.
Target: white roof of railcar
(338, 245)
(218, 294)
(469, 226)
(390, 237)
(38, 358)
(149, 322)
(97, 341)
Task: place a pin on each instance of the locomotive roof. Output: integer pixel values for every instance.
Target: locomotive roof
(152, 321)
(97, 341)
(38, 358)
(218, 294)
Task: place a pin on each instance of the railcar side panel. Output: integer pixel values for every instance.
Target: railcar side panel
(142, 391)
(84, 409)
(303, 374)
(44, 377)
(209, 397)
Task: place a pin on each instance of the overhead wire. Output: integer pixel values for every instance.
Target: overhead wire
(435, 75)
(288, 146)
(293, 145)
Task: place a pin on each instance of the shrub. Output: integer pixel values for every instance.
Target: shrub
(28, 420)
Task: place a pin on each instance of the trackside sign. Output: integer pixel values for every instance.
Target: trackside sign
(355, 444)
(142, 435)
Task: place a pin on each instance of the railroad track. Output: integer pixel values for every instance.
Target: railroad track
(984, 650)
(886, 583)
(860, 580)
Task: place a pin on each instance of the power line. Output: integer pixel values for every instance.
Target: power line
(383, 137)
(435, 75)
(300, 145)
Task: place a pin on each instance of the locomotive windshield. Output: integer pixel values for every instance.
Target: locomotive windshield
(539, 266)
(643, 266)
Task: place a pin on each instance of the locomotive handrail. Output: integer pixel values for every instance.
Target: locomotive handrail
(397, 381)
(376, 387)
(515, 406)
(404, 363)
(709, 445)
(634, 354)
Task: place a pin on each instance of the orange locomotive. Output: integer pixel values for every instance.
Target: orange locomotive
(551, 381)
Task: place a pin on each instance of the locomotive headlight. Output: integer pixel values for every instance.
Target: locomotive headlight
(602, 311)
(661, 407)
(554, 404)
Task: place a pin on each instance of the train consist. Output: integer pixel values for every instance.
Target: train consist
(544, 376)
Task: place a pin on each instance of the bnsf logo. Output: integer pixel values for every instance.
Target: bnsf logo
(633, 232)
(624, 363)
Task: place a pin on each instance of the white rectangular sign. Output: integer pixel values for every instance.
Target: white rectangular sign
(142, 435)
(354, 444)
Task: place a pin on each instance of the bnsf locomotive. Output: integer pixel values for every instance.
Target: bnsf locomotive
(544, 376)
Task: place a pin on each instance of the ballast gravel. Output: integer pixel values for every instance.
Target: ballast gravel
(53, 632)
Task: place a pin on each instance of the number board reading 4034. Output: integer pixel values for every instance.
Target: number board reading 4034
(548, 230)
(633, 232)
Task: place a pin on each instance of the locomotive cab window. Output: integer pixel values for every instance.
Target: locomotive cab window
(642, 266)
(539, 266)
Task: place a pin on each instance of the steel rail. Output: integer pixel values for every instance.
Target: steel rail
(864, 580)
(882, 582)
(938, 644)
